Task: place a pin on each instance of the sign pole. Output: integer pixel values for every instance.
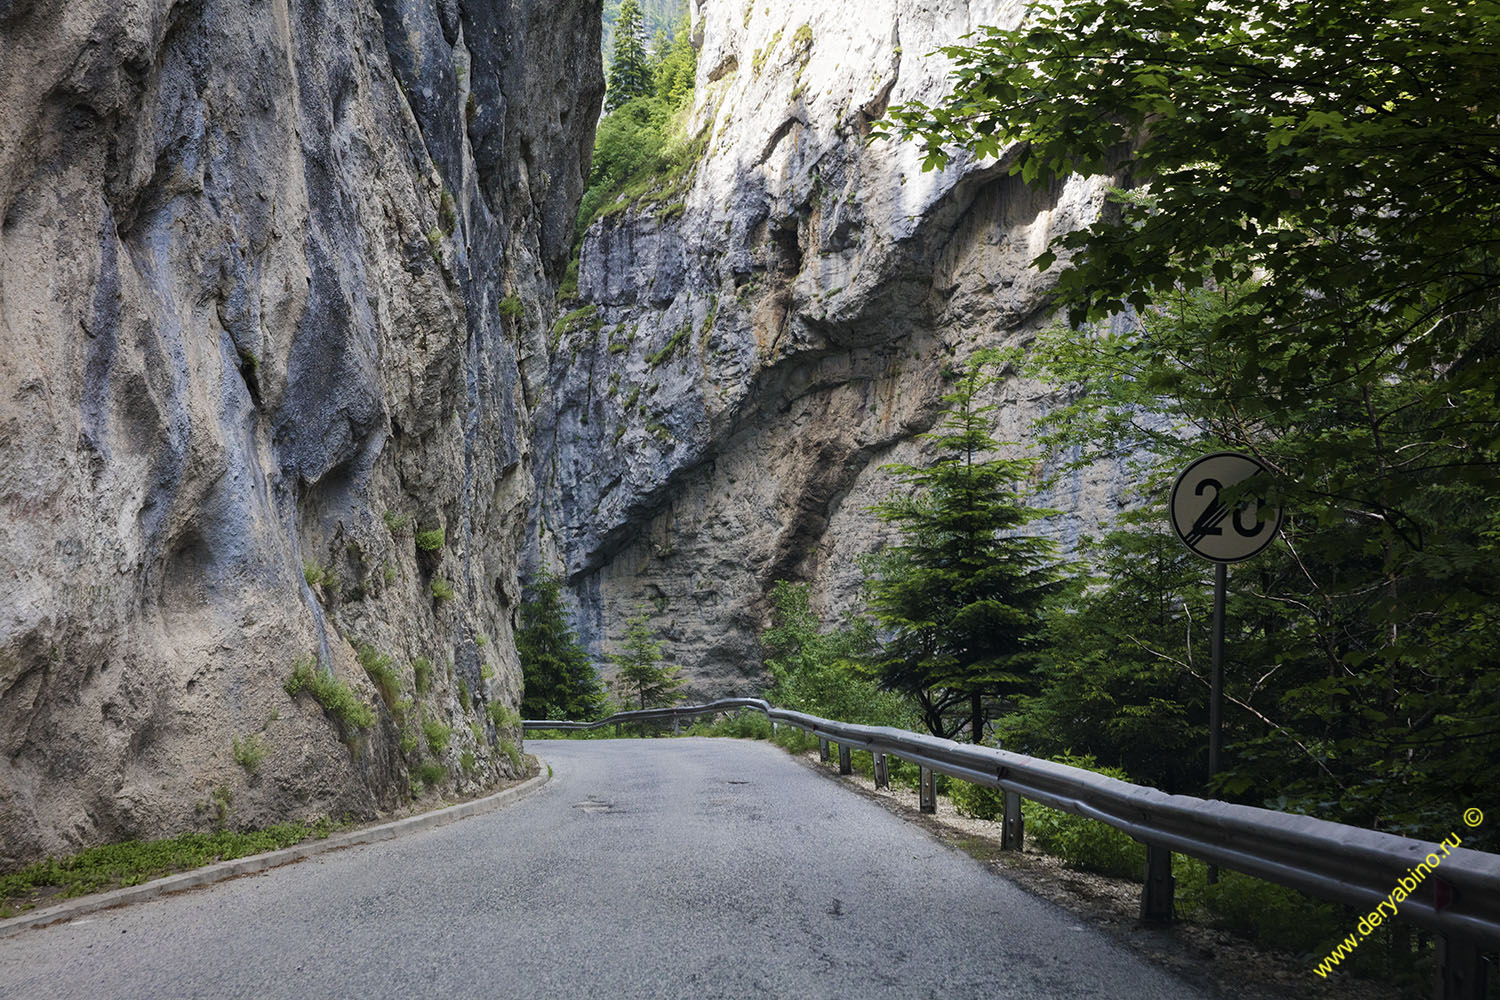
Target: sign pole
(1216, 691)
(1208, 527)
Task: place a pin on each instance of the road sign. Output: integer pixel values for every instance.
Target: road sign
(1205, 522)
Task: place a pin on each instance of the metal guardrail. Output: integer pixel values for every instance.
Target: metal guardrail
(1459, 900)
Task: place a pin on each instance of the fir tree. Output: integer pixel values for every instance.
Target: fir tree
(963, 595)
(642, 674)
(630, 73)
(560, 679)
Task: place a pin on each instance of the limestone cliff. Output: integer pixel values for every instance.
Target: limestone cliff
(264, 271)
(762, 342)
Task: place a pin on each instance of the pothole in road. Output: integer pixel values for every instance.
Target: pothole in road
(593, 805)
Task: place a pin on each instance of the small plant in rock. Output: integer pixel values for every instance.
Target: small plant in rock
(464, 698)
(381, 672)
(338, 700)
(511, 307)
(503, 716)
(250, 752)
(430, 774)
(421, 669)
(431, 540)
(396, 522)
(513, 753)
(318, 575)
(437, 734)
(466, 762)
(442, 589)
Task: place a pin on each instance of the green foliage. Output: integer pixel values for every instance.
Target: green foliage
(421, 669)
(676, 69)
(559, 678)
(320, 576)
(963, 595)
(339, 702)
(586, 315)
(429, 774)
(513, 754)
(133, 862)
(397, 523)
(816, 671)
(466, 761)
(511, 307)
(437, 735)
(431, 540)
(463, 695)
(250, 752)
(759, 58)
(630, 73)
(978, 801)
(640, 673)
(442, 589)
(671, 347)
(381, 672)
(505, 717)
(1309, 276)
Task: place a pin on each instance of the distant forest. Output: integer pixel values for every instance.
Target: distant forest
(658, 16)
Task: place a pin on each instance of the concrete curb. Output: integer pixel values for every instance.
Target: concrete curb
(260, 862)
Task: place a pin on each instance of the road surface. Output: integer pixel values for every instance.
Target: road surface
(645, 868)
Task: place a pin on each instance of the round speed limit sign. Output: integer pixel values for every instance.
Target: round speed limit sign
(1206, 524)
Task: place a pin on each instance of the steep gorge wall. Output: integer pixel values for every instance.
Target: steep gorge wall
(266, 271)
(759, 349)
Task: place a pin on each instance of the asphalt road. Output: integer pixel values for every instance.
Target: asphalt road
(665, 868)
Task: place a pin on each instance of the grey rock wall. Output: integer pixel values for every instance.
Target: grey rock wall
(253, 258)
(815, 287)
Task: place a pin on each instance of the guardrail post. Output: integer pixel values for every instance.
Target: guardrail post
(1012, 826)
(1156, 895)
(1461, 972)
(822, 749)
(846, 766)
(882, 772)
(927, 786)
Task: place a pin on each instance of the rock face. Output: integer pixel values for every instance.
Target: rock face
(759, 350)
(266, 270)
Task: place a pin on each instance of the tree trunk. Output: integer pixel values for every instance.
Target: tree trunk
(976, 717)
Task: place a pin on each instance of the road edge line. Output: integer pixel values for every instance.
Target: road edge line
(223, 870)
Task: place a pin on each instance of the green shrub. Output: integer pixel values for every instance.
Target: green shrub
(678, 339)
(1273, 916)
(250, 752)
(381, 672)
(442, 589)
(437, 735)
(338, 700)
(978, 801)
(466, 761)
(511, 307)
(317, 575)
(397, 523)
(503, 716)
(421, 669)
(1086, 843)
(513, 752)
(463, 695)
(430, 773)
(431, 540)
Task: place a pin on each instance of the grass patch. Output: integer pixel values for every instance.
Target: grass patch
(442, 589)
(318, 575)
(133, 862)
(381, 672)
(513, 752)
(421, 669)
(250, 752)
(672, 346)
(437, 735)
(503, 716)
(339, 701)
(430, 774)
(431, 540)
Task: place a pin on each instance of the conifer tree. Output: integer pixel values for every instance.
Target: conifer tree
(560, 679)
(963, 595)
(630, 73)
(642, 674)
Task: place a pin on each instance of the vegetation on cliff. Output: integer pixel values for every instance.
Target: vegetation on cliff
(642, 150)
(559, 676)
